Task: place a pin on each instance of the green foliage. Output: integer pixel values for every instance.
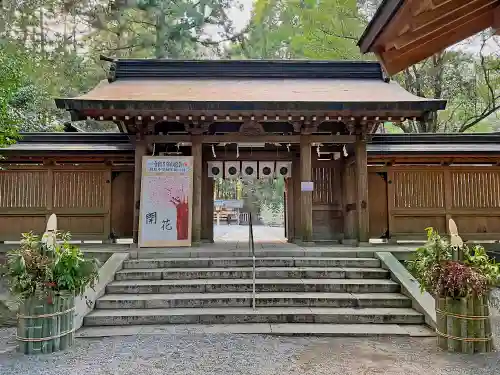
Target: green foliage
(435, 250)
(159, 28)
(260, 196)
(39, 267)
(294, 29)
(442, 276)
(478, 259)
(469, 81)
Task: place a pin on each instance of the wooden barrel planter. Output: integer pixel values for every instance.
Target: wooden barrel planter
(463, 325)
(45, 325)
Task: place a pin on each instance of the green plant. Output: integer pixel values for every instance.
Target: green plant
(422, 264)
(432, 265)
(478, 259)
(44, 267)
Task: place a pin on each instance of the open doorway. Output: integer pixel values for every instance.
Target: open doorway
(237, 201)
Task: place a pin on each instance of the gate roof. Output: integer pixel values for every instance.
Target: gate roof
(209, 87)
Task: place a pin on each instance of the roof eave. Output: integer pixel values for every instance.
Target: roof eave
(384, 14)
(81, 105)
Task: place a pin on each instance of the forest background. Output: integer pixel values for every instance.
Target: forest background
(51, 48)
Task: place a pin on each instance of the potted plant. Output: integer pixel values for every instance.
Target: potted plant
(460, 278)
(44, 275)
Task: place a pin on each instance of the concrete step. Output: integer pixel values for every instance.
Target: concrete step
(245, 285)
(247, 272)
(248, 315)
(245, 261)
(285, 329)
(278, 252)
(198, 300)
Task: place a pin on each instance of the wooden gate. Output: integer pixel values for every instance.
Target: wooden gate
(327, 215)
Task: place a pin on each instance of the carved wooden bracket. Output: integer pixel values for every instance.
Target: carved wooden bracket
(309, 127)
(251, 128)
(306, 126)
(350, 126)
(361, 130)
(296, 126)
(197, 127)
(150, 127)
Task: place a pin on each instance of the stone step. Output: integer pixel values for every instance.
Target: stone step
(248, 315)
(198, 300)
(287, 251)
(245, 285)
(247, 272)
(247, 262)
(286, 329)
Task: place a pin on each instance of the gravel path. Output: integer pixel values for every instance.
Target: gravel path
(250, 355)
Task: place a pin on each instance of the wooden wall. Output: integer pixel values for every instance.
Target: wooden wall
(414, 198)
(80, 196)
(93, 200)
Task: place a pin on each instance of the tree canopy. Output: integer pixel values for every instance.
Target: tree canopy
(50, 48)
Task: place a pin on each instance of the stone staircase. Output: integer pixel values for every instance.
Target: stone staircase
(298, 290)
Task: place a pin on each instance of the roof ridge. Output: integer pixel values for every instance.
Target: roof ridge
(255, 69)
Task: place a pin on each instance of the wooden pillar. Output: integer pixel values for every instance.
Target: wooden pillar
(362, 189)
(207, 231)
(297, 218)
(349, 202)
(140, 151)
(306, 196)
(290, 219)
(196, 152)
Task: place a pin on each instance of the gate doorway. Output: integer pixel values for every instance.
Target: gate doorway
(237, 199)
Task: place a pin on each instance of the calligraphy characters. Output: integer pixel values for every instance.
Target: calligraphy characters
(152, 218)
(166, 225)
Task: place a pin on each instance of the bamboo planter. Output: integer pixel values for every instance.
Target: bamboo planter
(463, 325)
(45, 325)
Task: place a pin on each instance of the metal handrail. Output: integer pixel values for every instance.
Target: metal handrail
(251, 244)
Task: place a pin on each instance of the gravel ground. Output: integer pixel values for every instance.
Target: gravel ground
(251, 355)
(211, 354)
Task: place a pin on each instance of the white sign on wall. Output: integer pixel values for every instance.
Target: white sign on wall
(166, 201)
(307, 186)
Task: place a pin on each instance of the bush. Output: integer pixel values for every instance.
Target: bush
(48, 266)
(471, 273)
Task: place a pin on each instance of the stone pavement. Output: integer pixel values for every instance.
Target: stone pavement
(240, 234)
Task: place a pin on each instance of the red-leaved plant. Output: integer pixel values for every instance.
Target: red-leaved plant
(474, 275)
(456, 280)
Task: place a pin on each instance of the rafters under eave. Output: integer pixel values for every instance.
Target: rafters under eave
(417, 29)
(496, 20)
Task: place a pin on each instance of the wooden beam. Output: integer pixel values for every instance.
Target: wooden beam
(496, 20)
(140, 151)
(306, 196)
(239, 138)
(197, 154)
(362, 190)
(396, 61)
(438, 25)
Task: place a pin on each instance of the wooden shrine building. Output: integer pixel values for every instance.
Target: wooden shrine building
(404, 32)
(321, 117)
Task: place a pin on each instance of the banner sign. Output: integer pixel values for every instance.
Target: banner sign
(166, 201)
